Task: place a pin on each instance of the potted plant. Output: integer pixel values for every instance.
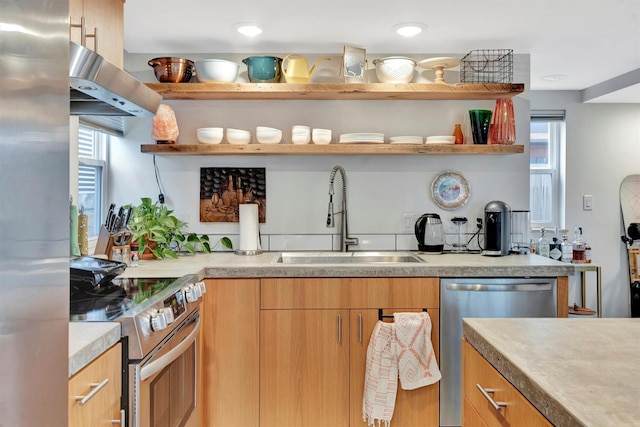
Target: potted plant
(160, 234)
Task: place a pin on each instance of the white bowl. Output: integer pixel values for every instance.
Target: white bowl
(238, 136)
(395, 69)
(210, 135)
(300, 128)
(216, 70)
(264, 136)
(321, 136)
(301, 138)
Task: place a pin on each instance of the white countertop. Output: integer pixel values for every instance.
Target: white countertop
(576, 372)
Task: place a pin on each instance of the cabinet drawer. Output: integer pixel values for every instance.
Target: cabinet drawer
(104, 406)
(378, 292)
(518, 410)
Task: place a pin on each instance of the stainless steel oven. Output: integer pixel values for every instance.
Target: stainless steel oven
(160, 320)
(163, 387)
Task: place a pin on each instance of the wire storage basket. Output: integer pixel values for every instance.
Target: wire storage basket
(487, 66)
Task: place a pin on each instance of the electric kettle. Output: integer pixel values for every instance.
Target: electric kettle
(430, 233)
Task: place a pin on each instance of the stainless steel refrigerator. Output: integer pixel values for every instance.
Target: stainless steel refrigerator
(34, 212)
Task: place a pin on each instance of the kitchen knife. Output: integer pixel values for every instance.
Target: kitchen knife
(110, 213)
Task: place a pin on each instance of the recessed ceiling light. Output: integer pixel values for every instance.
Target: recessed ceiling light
(409, 29)
(554, 77)
(248, 29)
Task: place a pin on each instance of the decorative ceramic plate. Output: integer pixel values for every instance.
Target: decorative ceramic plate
(450, 190)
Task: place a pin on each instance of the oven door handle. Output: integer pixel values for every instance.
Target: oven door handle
(173, 354)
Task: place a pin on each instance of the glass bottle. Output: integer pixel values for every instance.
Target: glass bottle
(579, 246)
(587, 253)
(543, 244)
(457, 132)
(567, 249)
(555, 249)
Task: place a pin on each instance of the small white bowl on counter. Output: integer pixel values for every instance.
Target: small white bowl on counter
(210, 135)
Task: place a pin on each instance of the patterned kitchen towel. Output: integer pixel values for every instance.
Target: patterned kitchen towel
(381, 376)
(417, 363)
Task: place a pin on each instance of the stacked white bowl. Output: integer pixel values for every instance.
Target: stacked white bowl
(267, 135)
(300, 134)
(210, 135)
(321, 136)
(238, 136)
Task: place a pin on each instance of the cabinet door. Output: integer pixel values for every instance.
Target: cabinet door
(104, 407)
(105, 18)
(230, 362)
(518, 410)
(304, 368)
(418, 407)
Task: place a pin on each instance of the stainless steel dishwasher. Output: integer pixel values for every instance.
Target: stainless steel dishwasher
(482, 297)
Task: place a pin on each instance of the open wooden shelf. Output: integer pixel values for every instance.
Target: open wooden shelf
(335, 91)
(342, 149)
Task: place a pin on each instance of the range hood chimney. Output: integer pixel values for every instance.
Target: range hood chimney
(99, 88)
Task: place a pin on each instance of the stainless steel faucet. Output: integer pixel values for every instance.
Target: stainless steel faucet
(345, 240)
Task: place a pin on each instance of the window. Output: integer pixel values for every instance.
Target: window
(546, 165)
(92, 168)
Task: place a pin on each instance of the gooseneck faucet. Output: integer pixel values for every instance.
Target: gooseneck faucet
(345, 240)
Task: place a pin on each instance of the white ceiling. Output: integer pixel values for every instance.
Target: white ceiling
(595, 44)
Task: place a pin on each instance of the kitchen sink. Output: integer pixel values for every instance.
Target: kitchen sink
(347, 258)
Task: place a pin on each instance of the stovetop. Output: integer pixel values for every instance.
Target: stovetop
(118, 298)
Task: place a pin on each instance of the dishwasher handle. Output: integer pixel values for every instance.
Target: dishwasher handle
(499, 287)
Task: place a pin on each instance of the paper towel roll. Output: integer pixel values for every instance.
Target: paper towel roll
(249, 227)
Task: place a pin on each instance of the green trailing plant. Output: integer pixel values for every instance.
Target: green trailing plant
(155, 228)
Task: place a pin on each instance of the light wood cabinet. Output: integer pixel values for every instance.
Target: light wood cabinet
(314, 334)
(94, 392)
(230, 353)
(515, 409)
(103, 25)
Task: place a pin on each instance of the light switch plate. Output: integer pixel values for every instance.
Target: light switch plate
(587, 202)
(408, 221)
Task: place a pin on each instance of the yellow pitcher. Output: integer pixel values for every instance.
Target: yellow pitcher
(297, 69)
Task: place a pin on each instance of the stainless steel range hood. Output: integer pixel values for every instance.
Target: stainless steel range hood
(99, 88)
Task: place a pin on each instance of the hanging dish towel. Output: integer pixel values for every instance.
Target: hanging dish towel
(417, 365)
(381, 377)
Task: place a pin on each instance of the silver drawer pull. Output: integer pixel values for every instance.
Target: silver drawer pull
(121, 421)
(96, 388)
(485, 392)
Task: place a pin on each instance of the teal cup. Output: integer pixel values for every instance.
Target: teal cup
(263, 69)
(480, 121)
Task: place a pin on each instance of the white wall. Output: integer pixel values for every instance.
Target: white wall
(603, 146)
(380, 187)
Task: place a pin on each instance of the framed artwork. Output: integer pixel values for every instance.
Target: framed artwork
(354, 64)
(223, 189)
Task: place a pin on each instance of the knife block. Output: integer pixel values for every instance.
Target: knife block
(104, 245)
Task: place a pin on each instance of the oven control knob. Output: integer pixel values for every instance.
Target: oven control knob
(202, 286)
(168, 314)
(190, 293)
(158, 321)
(198, 290)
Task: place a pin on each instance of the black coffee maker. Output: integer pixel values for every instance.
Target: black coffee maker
(497, 228)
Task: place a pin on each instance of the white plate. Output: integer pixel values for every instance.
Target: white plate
(406, 140)
(441, 139)
(450, 190)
